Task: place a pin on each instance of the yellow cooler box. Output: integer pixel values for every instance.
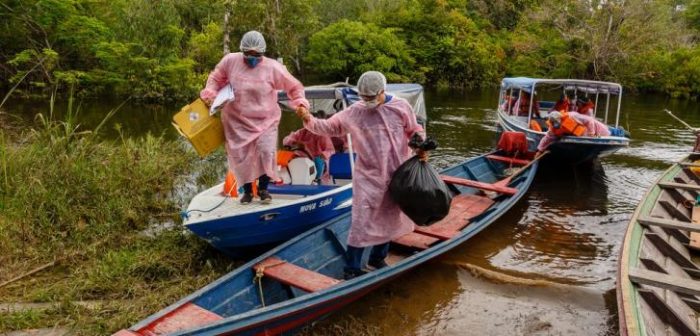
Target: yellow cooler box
(204, 132)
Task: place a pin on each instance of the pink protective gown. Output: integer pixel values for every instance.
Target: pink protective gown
(380, 138)
(251, 120)
(593, 128)
(315, 145)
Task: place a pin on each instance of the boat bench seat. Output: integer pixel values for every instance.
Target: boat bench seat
(514, 161)
(479, 185)
(293, 275)
(187, 316)
(462, 210)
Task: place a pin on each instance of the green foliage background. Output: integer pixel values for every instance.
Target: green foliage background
(163, 49)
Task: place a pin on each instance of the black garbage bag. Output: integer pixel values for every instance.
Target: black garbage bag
(418, 190)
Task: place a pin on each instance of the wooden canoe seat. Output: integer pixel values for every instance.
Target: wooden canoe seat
(463, 208)
(184, 317)
(416, 240)
(508, 160)
(479, 185)
(293, 275)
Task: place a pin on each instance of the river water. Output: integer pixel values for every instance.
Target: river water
(545, 268)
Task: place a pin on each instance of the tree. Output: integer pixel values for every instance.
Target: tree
(286, 25)
(450, 48)
(605, 39)
(349, 48)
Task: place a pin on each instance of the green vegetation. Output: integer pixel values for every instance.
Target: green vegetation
(163, 50)
(88, 204)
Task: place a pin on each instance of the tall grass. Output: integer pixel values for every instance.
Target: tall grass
(69, 195)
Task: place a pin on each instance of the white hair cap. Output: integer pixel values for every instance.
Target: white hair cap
(554, 116)
(254, 41)
(370, 83)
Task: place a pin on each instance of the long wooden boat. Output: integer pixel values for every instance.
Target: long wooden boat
(573, 149)
(302, 280)
(297, 205)
(658, 285)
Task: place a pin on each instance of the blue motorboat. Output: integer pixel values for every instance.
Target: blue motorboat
(302, 280)
(298, 203)
(571, 149)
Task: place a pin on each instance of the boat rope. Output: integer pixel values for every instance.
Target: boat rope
(259, 274)
(689, 204)
(185, 214)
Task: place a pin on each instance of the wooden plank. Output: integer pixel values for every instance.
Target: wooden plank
(694, 304)
(184, 317)
(666, 249)
(667, 223)
(691, 175)
(694, 243)
(416, 240)
(693, 272)
(674, 185)
(652, 265)
(478, 185)
(462, 209)
(673, 211)
(666, 313)
(293, 275)
(661, 280)
(508, 160)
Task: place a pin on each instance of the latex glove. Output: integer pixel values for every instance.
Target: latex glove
(303, 113)
(422, 155)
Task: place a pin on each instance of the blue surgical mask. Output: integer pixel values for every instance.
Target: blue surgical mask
(252, 61)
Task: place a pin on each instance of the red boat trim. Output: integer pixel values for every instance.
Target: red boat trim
(508, 160)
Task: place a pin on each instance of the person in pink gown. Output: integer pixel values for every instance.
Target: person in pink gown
(380, 126)
(252, 119)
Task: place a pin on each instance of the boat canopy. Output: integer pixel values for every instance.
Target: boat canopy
(528, 84)
(327, 97)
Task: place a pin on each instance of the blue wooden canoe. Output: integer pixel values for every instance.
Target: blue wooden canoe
(301, 280)
(237, 229)
(572, 149)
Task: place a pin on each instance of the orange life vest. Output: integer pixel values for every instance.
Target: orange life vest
(568, 126)
(284, 156)
(231, 187)
(535, 126)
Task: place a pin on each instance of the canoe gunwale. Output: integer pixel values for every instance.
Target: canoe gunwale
(630, 316)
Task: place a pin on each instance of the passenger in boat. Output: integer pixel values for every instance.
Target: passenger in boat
(570, 124)
(562, 104)
(318, 148)
(508, 104)
(585, 106)
(252, 119)
(522, 105)
(380, 126)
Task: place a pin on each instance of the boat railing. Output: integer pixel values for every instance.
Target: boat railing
(608, 89)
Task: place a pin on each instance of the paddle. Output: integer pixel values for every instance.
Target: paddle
(504, 182)
(695, 130)
(499, 187)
